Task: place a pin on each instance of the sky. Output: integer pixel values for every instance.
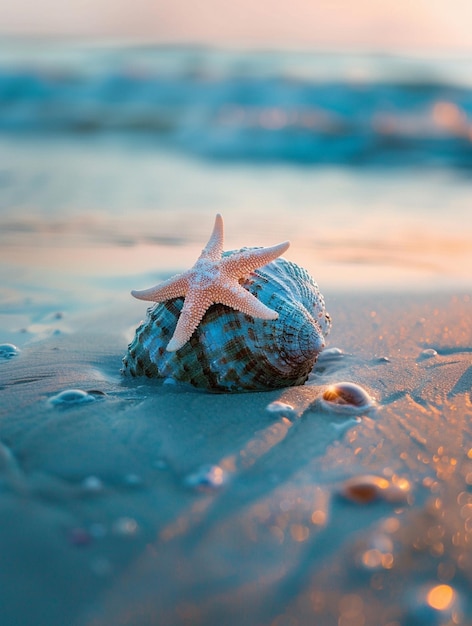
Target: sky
(388, 25)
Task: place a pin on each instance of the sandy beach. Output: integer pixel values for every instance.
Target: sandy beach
(112, 514)
(132, 502)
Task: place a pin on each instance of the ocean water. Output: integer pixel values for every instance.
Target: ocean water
(362, 161)
(259, 107)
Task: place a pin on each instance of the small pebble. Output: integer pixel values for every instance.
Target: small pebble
(207, 477)
(8, 351)
(368, 488)
(346, 398)
(70, 397)
(429, 353)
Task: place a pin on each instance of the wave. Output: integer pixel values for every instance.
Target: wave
(303, 108)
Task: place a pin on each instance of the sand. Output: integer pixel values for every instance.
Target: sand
(157, 505)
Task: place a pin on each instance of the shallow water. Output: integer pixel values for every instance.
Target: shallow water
(133, 502)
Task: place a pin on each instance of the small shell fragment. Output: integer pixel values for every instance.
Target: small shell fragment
(70, 397)
(281, 409)
(8, 351)
(369, 488)
(346, 398)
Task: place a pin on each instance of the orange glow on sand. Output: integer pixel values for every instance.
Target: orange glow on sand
(440, 597)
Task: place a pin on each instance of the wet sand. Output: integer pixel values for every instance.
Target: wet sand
(150, 504)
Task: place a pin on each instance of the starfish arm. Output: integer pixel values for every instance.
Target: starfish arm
(214, 248)
(174, 287)
(195, 307)
(242, 263)
(242, 300)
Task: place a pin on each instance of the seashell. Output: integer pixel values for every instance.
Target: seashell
(232, 351)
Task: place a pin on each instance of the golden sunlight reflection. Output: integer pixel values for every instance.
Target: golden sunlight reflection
(444, 118)
(299, 532)
(263, 442)
(301, 512)
(338, 265)
(351, 608)
(374, 559)
(441, 597)
(256, 447)
(311, 504)
(319, 517)
(275, 118)
(452, 119)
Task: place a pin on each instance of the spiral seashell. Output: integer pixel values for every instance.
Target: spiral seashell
(232, 351)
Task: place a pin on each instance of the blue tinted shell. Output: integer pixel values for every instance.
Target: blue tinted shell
(231, 351)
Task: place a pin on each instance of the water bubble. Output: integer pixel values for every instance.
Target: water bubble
(347, 398)
(429, 353)
(330, 354)
(71, 396)
(170, 382)
(8, 351)
(92, 484)
(125, 526)
(281, 409)
(207, 477)
(368, 488)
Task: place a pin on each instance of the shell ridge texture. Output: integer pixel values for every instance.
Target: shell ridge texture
(231, 351)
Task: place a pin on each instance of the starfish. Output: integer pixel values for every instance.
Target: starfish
(214, 279)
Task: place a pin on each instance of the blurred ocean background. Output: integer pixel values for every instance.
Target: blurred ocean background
(115, 158)
(309, 108)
